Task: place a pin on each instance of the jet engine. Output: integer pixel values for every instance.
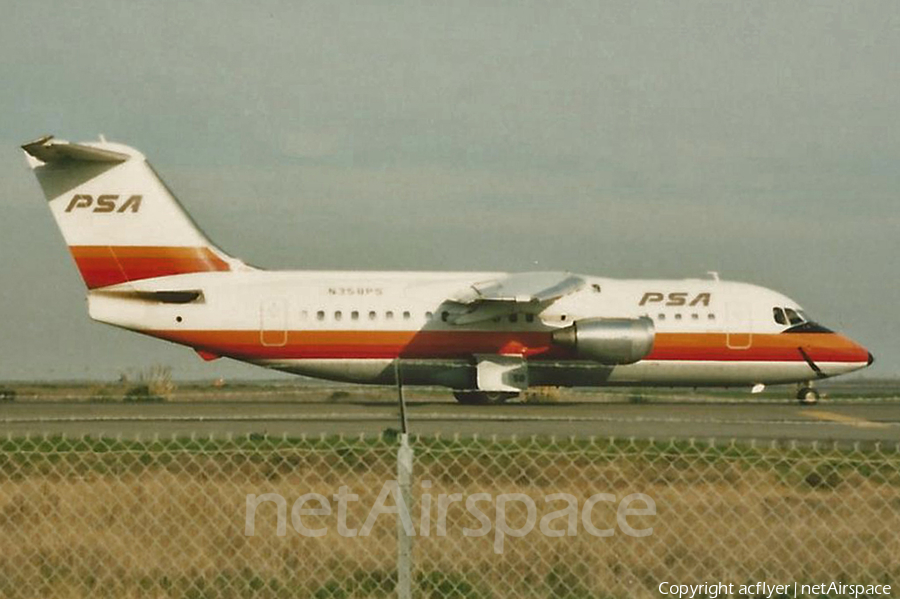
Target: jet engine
(608, 340)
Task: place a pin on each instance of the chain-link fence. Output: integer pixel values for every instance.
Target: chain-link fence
(263, 517)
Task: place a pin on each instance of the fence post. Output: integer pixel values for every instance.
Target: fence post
(404, 480)
(404, 540)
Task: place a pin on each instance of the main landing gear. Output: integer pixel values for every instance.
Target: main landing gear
(807, 395)
(482, 398)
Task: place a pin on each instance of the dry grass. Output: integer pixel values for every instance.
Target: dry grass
(542, 395)
(168, 521)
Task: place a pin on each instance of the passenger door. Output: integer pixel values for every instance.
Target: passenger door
(739, 331)
(273, 322)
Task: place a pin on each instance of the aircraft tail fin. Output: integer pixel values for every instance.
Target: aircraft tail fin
(118, 218)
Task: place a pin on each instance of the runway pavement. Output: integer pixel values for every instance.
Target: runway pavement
(858, 421)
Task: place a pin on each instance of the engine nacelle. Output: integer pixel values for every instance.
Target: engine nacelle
(609, 340)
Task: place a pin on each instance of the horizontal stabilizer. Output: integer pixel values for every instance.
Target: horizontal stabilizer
(48, 150)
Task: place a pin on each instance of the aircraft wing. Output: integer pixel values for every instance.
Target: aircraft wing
(534, 291)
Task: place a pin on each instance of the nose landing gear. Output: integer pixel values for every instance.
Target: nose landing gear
(807, 395)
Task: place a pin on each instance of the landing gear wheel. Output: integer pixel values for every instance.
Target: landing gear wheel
(808, 396)
(482, 398)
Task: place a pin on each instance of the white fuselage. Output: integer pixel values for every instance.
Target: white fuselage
(351, 326)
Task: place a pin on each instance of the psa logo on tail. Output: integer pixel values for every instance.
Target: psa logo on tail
(104, 203)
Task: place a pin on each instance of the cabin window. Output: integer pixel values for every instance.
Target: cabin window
(529, 318)
(711, 317)
(513, 317)
(389, 315)
(695, 316)
(373, 315)
(354, 315)
(406, 315)
(661, 316)
(445, 315)
(337, 315)
(304, 314)
(320, 315)
(429, 315)
(678, 316)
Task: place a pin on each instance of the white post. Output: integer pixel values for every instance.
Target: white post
(404, 540)
(404, 480)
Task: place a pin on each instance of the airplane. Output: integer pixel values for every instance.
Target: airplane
(487, 336)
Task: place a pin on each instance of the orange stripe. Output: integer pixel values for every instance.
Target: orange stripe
(102, 265)
(821, 347)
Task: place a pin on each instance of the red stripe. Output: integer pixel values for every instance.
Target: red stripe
(821, 347)
(102, 265)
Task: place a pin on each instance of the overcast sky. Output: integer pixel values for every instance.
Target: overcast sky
(632, 139)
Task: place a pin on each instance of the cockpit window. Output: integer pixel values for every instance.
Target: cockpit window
(793, 317)
(778, 314)
(789, 316)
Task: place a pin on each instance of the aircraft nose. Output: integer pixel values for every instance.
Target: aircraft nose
(871, 359)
